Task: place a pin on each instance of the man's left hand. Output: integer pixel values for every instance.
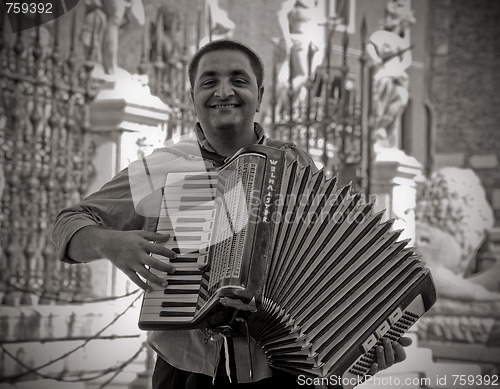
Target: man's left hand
(389, 353)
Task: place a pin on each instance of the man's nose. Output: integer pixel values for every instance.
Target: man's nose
(224, 90)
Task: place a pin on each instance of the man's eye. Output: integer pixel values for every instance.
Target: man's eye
(207, 83)
(239, 81)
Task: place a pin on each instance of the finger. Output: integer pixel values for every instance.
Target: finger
(152, 278)
(160, 265)
(399, 351)
(388, 351)
(373, 369)
(154, 236)
(155, 248)
(405, 341)
(137, 280)
(380, 357)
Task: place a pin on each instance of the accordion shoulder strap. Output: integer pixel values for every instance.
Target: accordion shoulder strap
(293, 152)
(278, 143)
(191, 149)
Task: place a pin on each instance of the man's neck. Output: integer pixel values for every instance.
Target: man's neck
(227, 145)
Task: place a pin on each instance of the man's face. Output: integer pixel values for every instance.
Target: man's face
(225, 93)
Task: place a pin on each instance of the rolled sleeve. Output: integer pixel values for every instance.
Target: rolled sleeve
(110, 207)
(67, 224)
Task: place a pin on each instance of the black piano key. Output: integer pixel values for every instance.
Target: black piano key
(173, 281)
(166, 304)
(175, 314)
(180, 291)
(200, 177)
(197, 207)
(193, 251)
(197, 186)
(188, 229)
(191, 220)
(182, 259)
(186, 199)
(186, 273)
(185, 238)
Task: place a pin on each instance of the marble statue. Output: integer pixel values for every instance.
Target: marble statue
(389, 53)
(103, 21)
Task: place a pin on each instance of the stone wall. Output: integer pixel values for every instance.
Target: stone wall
(464, 84)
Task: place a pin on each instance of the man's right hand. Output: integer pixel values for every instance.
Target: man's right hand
(127, 250)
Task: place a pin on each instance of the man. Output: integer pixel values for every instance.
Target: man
(226, 80)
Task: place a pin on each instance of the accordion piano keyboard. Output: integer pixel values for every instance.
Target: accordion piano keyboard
(189, 199)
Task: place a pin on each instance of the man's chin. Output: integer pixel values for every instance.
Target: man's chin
(226, 125)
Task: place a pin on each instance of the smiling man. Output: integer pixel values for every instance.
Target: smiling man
(226, 80)
(226, 94)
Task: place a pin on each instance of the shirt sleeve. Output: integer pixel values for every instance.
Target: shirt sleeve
(111, 207)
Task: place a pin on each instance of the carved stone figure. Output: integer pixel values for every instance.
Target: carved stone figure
(166, 35)
(103, 21)
(301, 26)
(219, 24)
(389, 52)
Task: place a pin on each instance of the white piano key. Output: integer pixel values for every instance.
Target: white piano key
(185, 190)
(160, 295)
(173, 214)
(181, 226)
(156, 299)
(158, 309)
(173, 278)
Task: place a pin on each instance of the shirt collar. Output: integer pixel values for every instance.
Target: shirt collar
(202, 140)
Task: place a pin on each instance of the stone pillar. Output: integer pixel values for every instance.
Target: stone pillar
(394, 178)
(125, 122)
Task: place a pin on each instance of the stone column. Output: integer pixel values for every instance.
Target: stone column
(394, 178)
(125, 122)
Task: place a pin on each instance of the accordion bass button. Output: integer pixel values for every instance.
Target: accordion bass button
(395, 316)
(205, 248)
(203, 262)
(369, 343)
(382, 329)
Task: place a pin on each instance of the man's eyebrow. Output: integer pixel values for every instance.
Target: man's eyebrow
(208, 73)
(235, 72)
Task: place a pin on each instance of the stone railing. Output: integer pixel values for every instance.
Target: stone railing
(45, 159)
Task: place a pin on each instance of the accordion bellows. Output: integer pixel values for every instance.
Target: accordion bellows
(313, 270)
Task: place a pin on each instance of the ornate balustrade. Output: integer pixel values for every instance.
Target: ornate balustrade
(45, 158)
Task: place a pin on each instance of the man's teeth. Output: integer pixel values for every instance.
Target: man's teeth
(224, 106)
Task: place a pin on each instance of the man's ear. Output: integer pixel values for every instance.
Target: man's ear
(191, 93)
(259, 99)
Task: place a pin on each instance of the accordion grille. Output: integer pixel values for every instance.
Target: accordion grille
(233, 207)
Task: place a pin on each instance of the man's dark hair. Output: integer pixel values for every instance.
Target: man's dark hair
(227, 44)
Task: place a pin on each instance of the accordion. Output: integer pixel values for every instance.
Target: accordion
(316, 274)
